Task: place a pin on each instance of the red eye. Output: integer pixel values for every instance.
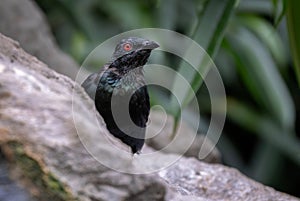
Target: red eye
(127, 47)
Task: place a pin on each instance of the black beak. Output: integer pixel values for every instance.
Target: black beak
(148, 44)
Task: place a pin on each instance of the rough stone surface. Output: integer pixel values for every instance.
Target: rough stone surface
(38, 137)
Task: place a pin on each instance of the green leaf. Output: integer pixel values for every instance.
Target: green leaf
(261, 76)
(256, 6)
(293, 22)
(279, 10)
(268, 35)
(128, 14)
(167, 14)
(208, 33)
(264, 128)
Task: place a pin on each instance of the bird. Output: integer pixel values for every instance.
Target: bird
(120, 93)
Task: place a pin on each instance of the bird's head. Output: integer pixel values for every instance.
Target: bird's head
(133, 45)
(131, 53)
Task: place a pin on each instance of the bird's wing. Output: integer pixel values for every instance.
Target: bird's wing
(140, 107)
(91, 82)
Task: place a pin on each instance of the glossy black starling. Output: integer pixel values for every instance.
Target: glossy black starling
(120, 93)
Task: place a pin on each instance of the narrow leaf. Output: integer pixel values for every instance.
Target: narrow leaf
(208, 33)
(293, 22)
(261, 76)
(268, 35)
(265, 129)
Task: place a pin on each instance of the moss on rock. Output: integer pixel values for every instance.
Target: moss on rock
(49, 187)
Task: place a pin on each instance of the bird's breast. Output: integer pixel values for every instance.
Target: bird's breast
(121, 84)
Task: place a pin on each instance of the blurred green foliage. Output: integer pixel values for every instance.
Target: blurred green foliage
(249, 42)
(293, 19)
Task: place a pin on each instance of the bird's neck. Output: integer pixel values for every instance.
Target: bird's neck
(133, 77)
(131, 80)
(126, 72)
